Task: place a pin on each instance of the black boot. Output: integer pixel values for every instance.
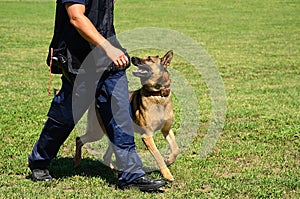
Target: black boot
(144, 183)
(41, 175)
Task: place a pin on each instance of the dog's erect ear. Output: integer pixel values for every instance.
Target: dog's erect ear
(166, 60)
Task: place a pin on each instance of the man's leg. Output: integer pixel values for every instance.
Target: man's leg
(57, 128)
(114, 108)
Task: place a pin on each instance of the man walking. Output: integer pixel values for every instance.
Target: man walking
(81, 26)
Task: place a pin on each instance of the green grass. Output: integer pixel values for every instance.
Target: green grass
(255, 45)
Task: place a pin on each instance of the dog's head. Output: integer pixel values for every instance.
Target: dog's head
(152, 71)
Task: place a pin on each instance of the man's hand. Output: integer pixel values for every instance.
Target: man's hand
(116, 55)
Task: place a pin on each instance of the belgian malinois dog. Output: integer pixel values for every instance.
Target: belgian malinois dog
(152, 110)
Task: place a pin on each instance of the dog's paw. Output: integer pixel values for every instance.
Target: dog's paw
(167, 174)
(112, 166)
(169, 162)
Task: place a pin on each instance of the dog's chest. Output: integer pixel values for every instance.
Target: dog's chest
(153, 112)
(157, 113)
(157, 106)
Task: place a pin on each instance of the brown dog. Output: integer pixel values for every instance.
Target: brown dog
(152, 110)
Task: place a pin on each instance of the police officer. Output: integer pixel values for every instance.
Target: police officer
(80, 27)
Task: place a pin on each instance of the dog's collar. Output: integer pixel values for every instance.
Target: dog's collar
(165, 92)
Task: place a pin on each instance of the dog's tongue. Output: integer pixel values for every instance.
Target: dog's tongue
(142, 70)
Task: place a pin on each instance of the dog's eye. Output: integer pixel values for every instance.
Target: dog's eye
(149, 59)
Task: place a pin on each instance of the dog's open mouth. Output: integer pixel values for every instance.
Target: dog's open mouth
(142, 71)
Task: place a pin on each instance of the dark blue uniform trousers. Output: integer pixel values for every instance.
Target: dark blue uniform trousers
(113, 104)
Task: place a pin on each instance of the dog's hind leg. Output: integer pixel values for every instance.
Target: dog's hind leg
(77, 157)
(149, 142)
(170, 137)
(94, 132)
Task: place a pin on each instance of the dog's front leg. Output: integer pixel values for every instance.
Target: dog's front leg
(149, 142)
(170, 137)
(108, 156)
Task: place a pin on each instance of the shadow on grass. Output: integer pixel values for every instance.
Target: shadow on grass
(63, 168)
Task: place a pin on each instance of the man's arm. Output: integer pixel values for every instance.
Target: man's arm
(88, 31)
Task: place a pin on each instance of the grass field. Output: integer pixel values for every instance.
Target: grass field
(255, 46)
